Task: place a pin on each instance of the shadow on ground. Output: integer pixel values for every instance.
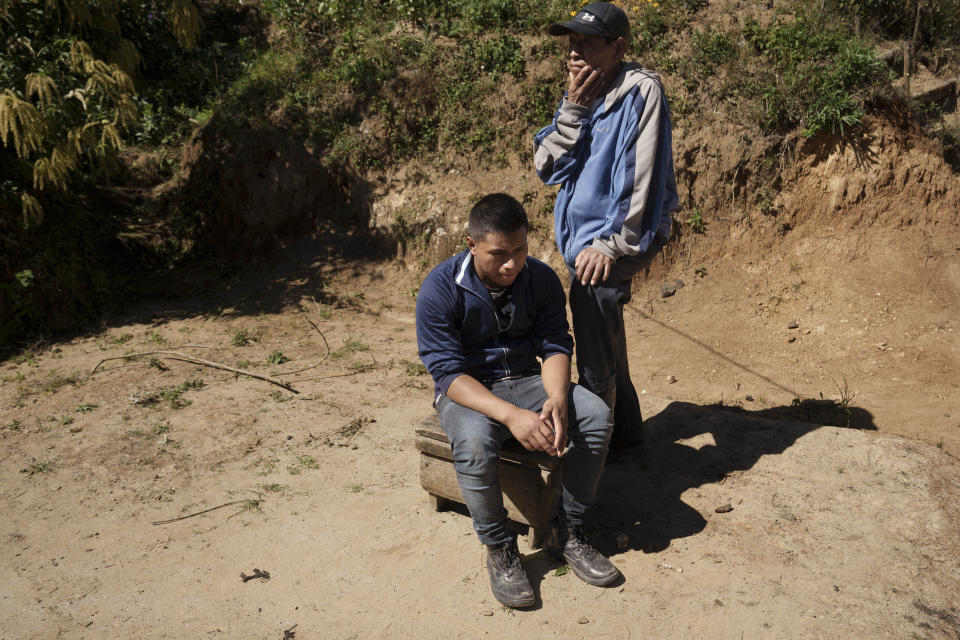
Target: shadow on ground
(640, 492)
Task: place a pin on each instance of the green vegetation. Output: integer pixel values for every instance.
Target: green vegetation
(815, 78)
(350, 345)
(38, 467)
(277, 358)
(411, 368)
(242, 337)
(302, 462)
(79, 80)
(173, 396)
(452, 83)
(696, 221)
(277, 396)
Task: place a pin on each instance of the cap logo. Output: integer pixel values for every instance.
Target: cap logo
(586, 17)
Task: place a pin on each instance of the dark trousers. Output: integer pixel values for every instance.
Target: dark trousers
(602, 342)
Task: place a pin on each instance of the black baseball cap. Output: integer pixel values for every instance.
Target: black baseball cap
(595, 19)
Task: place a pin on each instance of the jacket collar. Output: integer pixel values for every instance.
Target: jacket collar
(631, 74)
(466, 277)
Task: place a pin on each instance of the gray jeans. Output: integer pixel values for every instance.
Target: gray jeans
(476, 440)
(601, 339)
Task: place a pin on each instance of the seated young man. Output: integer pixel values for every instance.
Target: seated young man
(484, 317)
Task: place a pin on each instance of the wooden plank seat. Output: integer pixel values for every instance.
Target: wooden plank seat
(530, 481)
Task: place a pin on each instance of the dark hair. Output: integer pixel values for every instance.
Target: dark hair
(496, 213)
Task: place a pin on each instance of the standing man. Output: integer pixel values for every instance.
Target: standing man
(484, 318)
(609, 148)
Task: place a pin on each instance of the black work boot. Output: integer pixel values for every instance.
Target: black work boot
(591, 566)
(508, 580)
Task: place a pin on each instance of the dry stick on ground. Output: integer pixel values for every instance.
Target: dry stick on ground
(317, 305)
(173, 355)
(219, 506)
(325, 343)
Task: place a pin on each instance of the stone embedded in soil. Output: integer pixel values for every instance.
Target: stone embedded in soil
(667, 289)
(793, 324)
(725, 508)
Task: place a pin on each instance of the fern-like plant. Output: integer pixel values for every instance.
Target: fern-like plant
(66, 88)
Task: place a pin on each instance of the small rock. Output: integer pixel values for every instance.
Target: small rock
(792, 339)
(76, 429)
(623, 541)
(724, 508)
(667, 289)
(748, 398)
(487, 613)
(793, 324)
(836, 588)
(718, 602)
(583, 621)
(671, 379)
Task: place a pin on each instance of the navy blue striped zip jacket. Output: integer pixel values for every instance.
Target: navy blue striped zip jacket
(460, 333)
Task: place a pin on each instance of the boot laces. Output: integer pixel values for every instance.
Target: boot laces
(577, 542)
(507, 556)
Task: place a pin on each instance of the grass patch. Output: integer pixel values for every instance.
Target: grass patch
(349, 346)
(242, 337)
(174, 395)
(38, 467)
(277, 396)
(411, 368)
(303, 462)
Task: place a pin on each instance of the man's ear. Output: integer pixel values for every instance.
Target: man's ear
(471, 245)
(621, 45)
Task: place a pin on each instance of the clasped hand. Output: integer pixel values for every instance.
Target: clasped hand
(546, 431)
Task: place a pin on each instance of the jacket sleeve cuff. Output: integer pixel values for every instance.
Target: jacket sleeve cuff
(445, 381)
(574, 111)
(606, 248)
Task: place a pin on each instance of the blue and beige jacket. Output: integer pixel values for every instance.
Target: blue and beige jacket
(459, 331)
(614, 162)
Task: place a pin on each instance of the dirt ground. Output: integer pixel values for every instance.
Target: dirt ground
(806, 375)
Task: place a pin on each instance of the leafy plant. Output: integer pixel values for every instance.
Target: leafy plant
(818, 78)
(242, 337)
(173, 396)
(277, 358)
(696, 221)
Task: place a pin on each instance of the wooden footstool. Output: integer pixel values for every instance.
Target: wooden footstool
(530, 482)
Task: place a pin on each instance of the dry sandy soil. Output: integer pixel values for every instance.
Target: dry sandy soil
(136, 495)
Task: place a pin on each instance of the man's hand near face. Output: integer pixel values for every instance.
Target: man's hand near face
(586, 84)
